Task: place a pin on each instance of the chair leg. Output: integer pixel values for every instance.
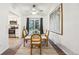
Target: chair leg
(31, 50)
(47, 44)
(24, 42)
(40, 49)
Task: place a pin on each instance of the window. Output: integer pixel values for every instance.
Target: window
(34, 25)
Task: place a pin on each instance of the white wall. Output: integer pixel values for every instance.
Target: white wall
(46, 23)
(3, 27)
(69, 42)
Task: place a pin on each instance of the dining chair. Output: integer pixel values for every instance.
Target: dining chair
(24, 34)
(47, 34)
(45, 38)
(36, 41)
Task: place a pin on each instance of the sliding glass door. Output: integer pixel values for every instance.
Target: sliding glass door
(34, 25)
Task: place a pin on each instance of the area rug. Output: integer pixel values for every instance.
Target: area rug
(36, 51)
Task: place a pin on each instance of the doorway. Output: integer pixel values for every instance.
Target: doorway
(13, 29)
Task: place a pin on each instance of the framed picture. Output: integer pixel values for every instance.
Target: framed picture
(56, 20)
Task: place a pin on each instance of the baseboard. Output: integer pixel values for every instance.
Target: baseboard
(65, 49)
(2, 49)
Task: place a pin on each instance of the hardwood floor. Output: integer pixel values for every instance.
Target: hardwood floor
(45, 50)
(13, 47)
(52, 49)
(58, 50)
(10, 51)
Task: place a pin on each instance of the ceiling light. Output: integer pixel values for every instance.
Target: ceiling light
(34, 12)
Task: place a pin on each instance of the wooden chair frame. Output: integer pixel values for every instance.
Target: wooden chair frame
(39, 44)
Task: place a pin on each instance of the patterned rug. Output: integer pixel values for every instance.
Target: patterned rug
(45, 50)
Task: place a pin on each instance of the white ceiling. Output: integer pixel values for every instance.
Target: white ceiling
(25, 8)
